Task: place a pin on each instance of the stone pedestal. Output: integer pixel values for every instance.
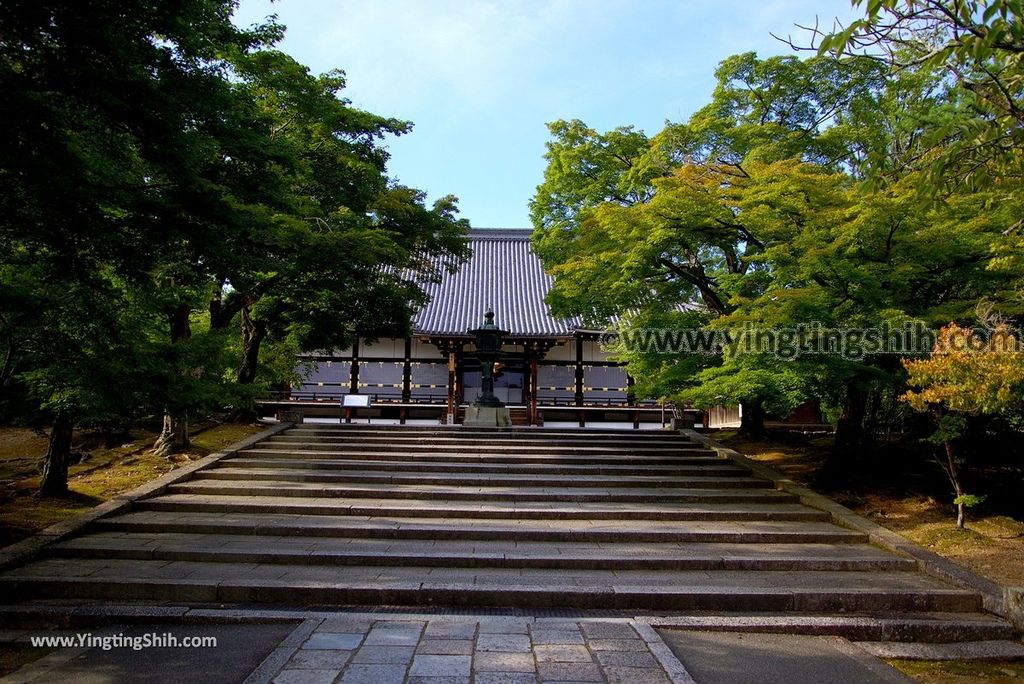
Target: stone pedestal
(487, 416)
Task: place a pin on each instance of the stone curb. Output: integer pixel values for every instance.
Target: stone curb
(277, 659)
(1007, 602)
(27, 549)
(663, 654)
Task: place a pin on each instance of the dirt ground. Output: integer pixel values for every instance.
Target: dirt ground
(101, 473)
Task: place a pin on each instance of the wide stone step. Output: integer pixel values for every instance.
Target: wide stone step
(434, 492)
(934, 627)
(496, 554)
(705, 466)
(276, 500)
(459, 431)
(469, 442)
(421, 492)
(484, 448)
(422, 585)
(734, 480)
(404, 527)
(263, 451)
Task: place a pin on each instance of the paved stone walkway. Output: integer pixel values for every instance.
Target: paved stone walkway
(486, 651)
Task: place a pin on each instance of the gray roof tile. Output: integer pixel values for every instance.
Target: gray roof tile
(503, 273)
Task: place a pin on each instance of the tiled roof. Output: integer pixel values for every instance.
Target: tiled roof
(502, 273)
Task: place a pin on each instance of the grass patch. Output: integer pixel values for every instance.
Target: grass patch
(103, 473)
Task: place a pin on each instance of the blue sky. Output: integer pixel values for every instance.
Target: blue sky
(481, 78)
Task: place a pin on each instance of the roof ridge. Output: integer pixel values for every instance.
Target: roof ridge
(498, 233)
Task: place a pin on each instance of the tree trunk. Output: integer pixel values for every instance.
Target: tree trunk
(253, 333)
(173, 436)
(752, 420)
(954, 478)
(181, 327)
(54, 481)
(850, 436)
(7, 371)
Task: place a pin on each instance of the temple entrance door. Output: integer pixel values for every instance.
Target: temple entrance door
(508, 385)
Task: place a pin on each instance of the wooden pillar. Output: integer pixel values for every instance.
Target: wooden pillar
(460, 367)
(533, 390)
(452, 407)
(353, 384)
(353, 378)
(579, 371)
(407, 372)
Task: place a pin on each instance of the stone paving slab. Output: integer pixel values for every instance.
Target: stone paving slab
(492, 650)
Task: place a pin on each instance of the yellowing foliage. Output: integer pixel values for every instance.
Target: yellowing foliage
(968, 372)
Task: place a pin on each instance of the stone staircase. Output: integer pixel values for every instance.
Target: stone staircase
(534, 519)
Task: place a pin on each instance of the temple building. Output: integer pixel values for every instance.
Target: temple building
(552, 368)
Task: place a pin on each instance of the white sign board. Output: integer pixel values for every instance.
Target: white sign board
(355, 400)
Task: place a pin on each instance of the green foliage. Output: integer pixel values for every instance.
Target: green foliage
(754, 213)
(969, 500)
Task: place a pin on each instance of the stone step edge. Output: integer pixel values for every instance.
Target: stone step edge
(901, 627)
(419, 465)
(169, 504)
(437, 457)
(507, 431)
(668, 485)
(980, 650)
(447, 532)
(940, 628)
(491, 447)
(295, 497)
(483, 438)
(485, 560)
(292, 475)
(557, 473)
(427, 593)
